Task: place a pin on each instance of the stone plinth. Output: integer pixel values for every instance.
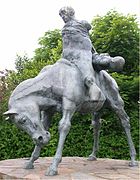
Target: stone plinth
(71, 168)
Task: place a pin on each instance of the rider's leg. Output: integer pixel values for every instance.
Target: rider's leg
(88, 74)
(95, 93)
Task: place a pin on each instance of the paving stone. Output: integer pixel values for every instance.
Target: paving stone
(71, 168)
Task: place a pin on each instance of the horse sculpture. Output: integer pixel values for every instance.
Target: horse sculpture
(60, 88)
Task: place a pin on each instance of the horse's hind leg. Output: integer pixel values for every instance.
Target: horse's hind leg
(96, 125)
(118, 107)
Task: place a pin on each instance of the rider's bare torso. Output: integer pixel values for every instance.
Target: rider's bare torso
(76, 42)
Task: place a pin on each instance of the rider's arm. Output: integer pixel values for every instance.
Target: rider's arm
(93, 50)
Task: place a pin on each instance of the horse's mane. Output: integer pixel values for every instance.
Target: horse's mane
(32, 85)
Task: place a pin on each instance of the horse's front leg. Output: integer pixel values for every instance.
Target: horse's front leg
(96, 125)
(34, 156)
(46, 120)
(64, 127)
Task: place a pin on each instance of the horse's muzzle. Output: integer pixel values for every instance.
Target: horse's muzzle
(41, 138)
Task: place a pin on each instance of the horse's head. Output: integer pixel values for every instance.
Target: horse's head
(33, 128)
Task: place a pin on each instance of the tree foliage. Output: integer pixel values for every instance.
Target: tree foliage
(112, 33)
(50, 47)
(117, 34)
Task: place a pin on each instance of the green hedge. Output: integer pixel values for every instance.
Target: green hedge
(113, 144)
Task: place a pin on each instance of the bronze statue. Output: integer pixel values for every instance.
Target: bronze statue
(71, 85)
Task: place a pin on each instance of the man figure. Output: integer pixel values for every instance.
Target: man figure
(77, 48)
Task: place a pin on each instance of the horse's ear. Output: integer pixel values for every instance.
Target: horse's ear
(10, 112)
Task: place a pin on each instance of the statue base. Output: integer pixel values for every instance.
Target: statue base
(71, 168)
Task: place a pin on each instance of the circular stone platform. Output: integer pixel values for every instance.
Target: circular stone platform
(71, 168)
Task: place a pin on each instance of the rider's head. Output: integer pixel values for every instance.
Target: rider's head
(67, 13)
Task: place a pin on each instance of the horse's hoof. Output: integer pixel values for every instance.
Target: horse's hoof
(29, 166)
(133, 164)
(51, 172)
(92, 158)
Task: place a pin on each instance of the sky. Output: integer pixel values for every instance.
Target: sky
(23, 22)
